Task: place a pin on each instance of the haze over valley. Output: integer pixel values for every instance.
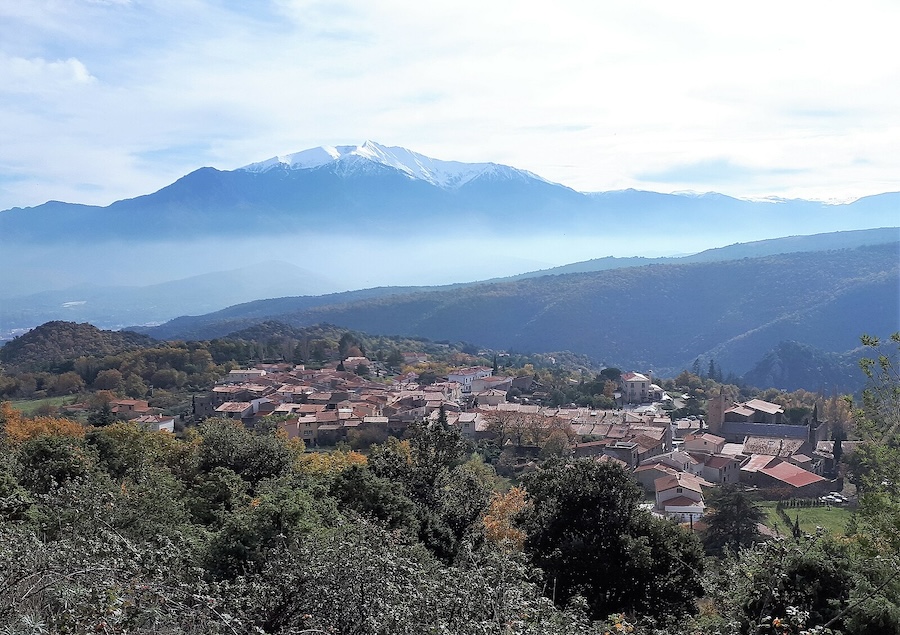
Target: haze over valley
(385, 240)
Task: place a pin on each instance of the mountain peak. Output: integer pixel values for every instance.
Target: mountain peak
(444, 174)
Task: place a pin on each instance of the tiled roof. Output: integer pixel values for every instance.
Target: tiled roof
(682, 501)
(792, 475)
(764, 406)
(717, 461)
(686, 481)
(757, 462)
(772, 446)
(741, 410)
(234, 406)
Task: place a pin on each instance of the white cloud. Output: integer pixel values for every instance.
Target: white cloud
(37, 75)
(804, 96)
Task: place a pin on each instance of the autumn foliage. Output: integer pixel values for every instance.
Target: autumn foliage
(329, 462)
(498, 520)
(18, 428)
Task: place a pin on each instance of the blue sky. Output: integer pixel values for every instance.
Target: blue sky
(102, 100)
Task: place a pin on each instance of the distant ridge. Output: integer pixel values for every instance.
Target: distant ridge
(753, 249)
(661, 316)
(362, 216)
(239, 316)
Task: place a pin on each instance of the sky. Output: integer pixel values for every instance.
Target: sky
(108, 99)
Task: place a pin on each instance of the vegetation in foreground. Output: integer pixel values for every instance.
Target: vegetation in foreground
(115, 530)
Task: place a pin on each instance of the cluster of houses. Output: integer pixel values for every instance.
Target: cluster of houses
(137, 411)
(675, 461)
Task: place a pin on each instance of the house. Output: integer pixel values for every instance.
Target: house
(704, 442)
(647, 475)
(759, 418)
(751, 467)
(465, 376)
(411, 358)
(491, 397)
(156, 423)
(635, 387)
(680, 496)
(469, 423)
(678, 460)
(786, 478)
(236, 410)
(590, 448)
(684, 427)
(130, 408)
(722, 469)
(490, 382)
(244, 376)
(625, 451)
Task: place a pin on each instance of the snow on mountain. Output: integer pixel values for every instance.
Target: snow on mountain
(444, 174)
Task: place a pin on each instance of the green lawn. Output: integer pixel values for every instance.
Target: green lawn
(833, 519)
(30, 406)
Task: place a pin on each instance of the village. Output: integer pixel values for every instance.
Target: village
(676, 461)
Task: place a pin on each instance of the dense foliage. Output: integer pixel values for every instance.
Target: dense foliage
(114, 529)
(55, 342)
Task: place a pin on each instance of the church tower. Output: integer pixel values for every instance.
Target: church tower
(715, 412)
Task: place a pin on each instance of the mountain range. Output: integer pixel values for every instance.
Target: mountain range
(655, 316)
(372, 215)
(384, 239)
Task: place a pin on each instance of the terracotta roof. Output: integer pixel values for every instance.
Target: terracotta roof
(792, 475)
(772, 446)
(717, 461)
(682, 501)
(659, 467)
(680, 479)
(705, 436)
(757, 462)
(234, 406)
(764, 406)
(605, 458)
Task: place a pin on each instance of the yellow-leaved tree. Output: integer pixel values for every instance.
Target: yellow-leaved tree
(328, 463)
(18, 428)
(498, 519)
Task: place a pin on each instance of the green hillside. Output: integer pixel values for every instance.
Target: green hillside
(54, 342)
(659, 317)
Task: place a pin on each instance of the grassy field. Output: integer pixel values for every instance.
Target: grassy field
(30, 406)
(833, 519)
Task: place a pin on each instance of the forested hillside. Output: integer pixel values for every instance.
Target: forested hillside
(659, 316)
(54, 342)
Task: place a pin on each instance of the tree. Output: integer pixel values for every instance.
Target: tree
(108, 380)
(878, 417)
(102, 416)
(394, 359)
(225, 443)
(612, 374)
(584, 529)
(499, 516)
(359, 489)
(18, 428)
(68, 383)
(733, 521)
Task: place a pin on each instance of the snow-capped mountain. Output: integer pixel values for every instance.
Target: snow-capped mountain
(349, 159)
